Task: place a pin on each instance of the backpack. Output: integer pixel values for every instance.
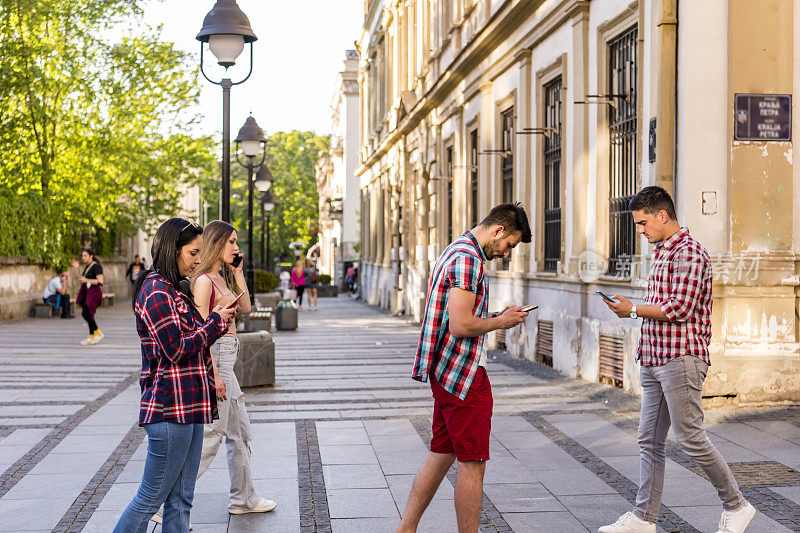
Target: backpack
(313, 276)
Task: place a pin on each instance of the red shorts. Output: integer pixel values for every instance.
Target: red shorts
(463, 426)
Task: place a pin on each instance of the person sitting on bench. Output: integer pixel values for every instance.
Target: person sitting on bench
(55, 293)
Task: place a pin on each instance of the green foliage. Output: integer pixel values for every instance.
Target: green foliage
(324, 279)
(266, 281)
(291, 157)
(93, 132)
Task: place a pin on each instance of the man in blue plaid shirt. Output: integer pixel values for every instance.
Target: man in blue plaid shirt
(451, 352)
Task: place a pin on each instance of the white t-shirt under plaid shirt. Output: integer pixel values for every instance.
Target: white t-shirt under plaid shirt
(680, 284)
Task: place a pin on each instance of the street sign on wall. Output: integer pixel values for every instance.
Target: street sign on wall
(763, 117)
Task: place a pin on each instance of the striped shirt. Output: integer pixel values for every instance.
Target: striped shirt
(680, 284)
(452, 361)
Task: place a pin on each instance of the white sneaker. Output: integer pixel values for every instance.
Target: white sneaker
(97, 337)
(262, 506)
(736, 521)
(88, 340)
(629, 523)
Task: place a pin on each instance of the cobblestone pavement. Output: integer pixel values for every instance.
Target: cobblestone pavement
(339, 438)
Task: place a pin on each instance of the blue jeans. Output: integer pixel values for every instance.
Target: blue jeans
(173, 456)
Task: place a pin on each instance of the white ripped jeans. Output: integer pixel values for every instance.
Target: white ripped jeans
(233, 424)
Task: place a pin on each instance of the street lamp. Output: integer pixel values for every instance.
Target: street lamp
(263, 180)
(267, 205)
(252, 140)
(226, 29)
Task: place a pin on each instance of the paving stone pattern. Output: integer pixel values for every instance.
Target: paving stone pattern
(338, 439)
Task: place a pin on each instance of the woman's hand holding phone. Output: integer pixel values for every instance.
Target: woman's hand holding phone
(237, 265)
(226, 313)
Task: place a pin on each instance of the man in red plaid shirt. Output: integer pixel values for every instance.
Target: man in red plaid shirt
(452, 354)
(673, 352)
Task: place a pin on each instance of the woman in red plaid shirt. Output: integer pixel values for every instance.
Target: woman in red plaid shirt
(178, 394)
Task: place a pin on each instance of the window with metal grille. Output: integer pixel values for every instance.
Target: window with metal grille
(622, 130)
(544, 342)
(507, 137)
(473, 175)
(552, 175)
(612, 357)
(449, 171)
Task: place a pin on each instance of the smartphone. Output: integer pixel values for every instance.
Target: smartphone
(606, 296)
(528, 308)
(233, 302)
(236, 260)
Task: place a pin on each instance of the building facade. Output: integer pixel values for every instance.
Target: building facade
(337, 183)
(571, 107)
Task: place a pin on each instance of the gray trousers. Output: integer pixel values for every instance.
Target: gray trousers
(671, 393)
(233, 425)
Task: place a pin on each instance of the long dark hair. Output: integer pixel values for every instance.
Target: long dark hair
(170, 237)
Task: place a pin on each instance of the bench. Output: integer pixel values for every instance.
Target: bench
(43, 310)
(108, 299)
(260, 319)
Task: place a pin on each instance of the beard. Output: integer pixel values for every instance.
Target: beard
(491, 249)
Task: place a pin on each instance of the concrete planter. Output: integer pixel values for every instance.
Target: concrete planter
(327, 291)
(286, 315)
(256, 364)
(267, 299)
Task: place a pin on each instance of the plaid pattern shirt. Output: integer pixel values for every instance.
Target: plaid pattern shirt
(679, 283)
(453, 361)
(177, 379)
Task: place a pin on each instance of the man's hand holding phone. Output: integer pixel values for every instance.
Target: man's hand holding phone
(513, 316)
(620, 305)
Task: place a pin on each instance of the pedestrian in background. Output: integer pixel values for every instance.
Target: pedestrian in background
(674, 357)
(312, 279)
(213, 283)
(178, 394)
(56, 294)
(134, 269)
(350, 278)
(90, 295)
(299, 282)
(452, 354)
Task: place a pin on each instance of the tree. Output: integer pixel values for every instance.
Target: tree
(291, 157)
(94, 133)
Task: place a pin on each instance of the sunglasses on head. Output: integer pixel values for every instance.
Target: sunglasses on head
(190, 223)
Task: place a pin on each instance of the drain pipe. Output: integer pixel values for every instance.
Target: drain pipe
(667, 96)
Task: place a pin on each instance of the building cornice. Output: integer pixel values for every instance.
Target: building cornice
(502, 24)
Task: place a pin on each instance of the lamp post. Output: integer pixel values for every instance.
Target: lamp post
(252, 140)
(226, 29)
(267, 205)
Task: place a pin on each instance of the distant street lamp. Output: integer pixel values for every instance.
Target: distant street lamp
(226, 29)
(252, 141)
(267, 205)
(263, 179)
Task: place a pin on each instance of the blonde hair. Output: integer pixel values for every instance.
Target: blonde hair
(300, 264)
(215, 238)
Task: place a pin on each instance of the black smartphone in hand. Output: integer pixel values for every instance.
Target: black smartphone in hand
(237, 260)
(606, 296)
